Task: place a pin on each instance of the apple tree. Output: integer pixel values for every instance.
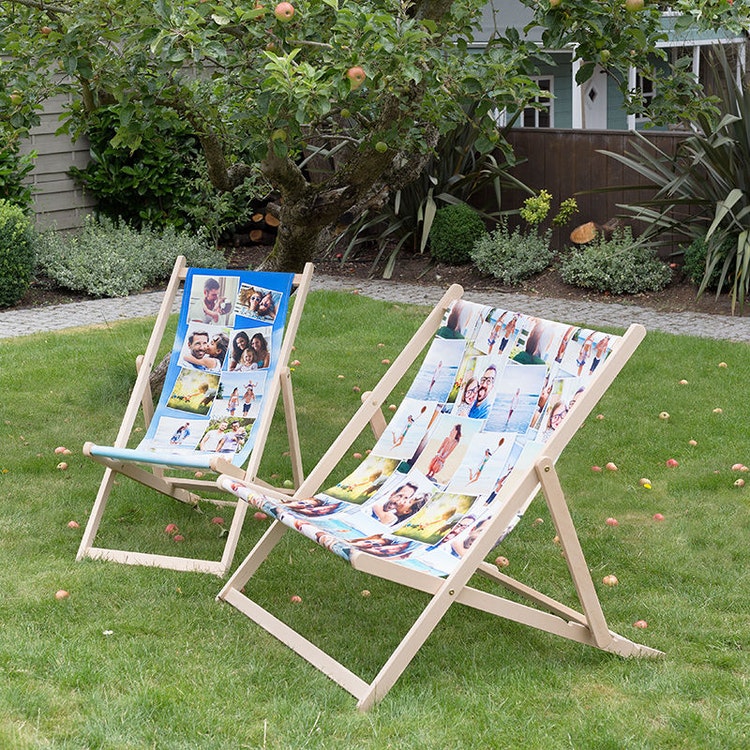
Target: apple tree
(367, 86)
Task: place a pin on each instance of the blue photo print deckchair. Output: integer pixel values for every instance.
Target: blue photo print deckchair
(227, 367)
(498, 396)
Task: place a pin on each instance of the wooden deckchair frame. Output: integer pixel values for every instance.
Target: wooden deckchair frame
(184, 489)
(542, 612)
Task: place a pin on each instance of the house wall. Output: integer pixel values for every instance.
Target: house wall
(58, 201)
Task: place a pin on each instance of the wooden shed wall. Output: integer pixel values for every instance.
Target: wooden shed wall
(57, 200)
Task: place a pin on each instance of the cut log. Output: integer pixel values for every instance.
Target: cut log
(257, 218)
(584, 233)
(271, 220)
(256, 235)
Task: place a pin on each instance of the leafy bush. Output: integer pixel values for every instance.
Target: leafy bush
(703, 190)
(454, 231)
(152, 184)
(13, 169)
(616, 265)
(512, 256)
(694, 265)
(112, 259)
(16, 253)
(459, 169)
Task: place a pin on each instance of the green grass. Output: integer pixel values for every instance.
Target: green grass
(145, 658)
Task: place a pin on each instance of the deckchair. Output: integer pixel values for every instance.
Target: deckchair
(498, 396)
(227, 366)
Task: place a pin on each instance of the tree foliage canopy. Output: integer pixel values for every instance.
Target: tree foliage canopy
(256, 88)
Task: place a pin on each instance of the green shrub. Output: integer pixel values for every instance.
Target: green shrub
(615, 265)
(512, 256)
(13, 169)
(16, 253)
(454, 231)
(108, 259)
(694, 264)
(152, 184)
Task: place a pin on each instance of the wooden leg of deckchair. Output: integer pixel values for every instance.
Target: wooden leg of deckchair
(290, 415)
(95, 517)
(254, 559)
(571, 547)
(409, 646)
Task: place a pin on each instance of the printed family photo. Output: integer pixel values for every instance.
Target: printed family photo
(438, 372)
(205, 347)
(258, 303)
(365, 480)
(225, 435)
(212, 299)
(250, 349)
(194, 391)
(239, 395)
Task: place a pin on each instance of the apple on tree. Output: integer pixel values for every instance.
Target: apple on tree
(356, 77)
(284, 12)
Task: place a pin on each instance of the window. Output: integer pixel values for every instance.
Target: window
(539, 116)
(645, 87)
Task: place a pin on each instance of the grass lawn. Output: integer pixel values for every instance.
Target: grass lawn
(145, 658)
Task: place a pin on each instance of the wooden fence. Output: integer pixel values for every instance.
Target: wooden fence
(568, 163)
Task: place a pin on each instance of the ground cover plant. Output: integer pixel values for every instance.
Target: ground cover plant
(137, 657)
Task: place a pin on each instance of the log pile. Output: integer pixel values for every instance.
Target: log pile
(262, 228)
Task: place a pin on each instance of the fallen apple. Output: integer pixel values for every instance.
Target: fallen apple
(62, 594)
(596, 468)
(642, 624)
(260, 516)
(723, 364)
(171, 528)
(612, 522)
(391, 407)
(502, 562)
(683, 382)
(62, 466)
(538, 521)
(357, 455)
(643, 481)
(356, 77)
(295, 599)
(385, 361)
(365, 593)
(610, 580)
(45, 31)
(284, 12)
(658, 517)
(61, 449)
(693, 442)
(739, 483)
(718, 410)
(178, 538)
(73, 524)
(664, 415)
(610, 466)
(218, 520)
(672, 463)
(296, 363)
(600, 416)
